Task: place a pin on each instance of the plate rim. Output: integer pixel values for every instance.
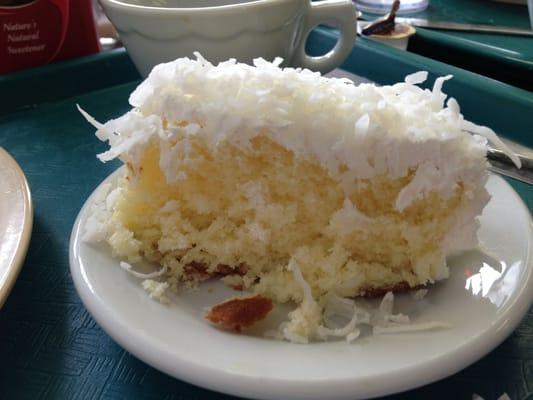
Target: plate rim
(190, 371)
(21, 249)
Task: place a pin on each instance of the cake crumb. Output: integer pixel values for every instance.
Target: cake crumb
(156, 290)
(240, 313)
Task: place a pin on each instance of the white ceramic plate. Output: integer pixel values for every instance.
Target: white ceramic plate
(16, 219)
(484, 300)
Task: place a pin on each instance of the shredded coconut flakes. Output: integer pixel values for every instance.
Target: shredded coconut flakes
(308, 319)
(127, 267)
(342, 123)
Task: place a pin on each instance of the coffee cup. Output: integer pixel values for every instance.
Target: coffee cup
(159, 31)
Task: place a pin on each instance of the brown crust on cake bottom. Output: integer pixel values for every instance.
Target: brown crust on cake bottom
(197, 271)
(400, 287)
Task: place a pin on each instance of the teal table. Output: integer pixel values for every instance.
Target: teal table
(505, 58)
(51, 348)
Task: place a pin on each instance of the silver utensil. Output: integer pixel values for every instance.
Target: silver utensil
(503, 165)
(456, 26)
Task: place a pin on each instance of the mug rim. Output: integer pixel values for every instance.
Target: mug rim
(138, 7)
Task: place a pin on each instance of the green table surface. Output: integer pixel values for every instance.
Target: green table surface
(50, 346)
(503, 57)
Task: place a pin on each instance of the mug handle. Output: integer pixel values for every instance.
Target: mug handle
(339, 13)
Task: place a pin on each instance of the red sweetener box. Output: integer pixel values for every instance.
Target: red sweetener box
(37, 32)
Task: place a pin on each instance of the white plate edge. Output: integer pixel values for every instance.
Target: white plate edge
(252, 387)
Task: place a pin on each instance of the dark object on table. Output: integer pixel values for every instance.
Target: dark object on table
(385, 24)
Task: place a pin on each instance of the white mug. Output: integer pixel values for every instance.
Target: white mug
(156, 31)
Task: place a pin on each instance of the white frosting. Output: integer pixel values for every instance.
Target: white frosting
(369, 129)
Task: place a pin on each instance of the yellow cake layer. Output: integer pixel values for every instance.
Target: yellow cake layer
(260, 206)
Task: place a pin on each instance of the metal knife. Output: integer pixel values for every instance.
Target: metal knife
(456, 26)
(503, 165)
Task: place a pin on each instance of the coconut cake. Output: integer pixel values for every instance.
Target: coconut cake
(290, 185)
